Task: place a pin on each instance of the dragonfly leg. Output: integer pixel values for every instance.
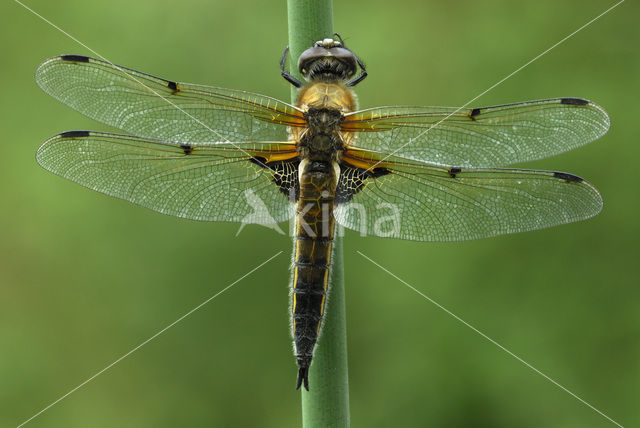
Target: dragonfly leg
(360, 77)
(288, 77)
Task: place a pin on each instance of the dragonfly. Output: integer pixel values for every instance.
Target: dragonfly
(403, 172)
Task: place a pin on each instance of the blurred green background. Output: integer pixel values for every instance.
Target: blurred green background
(85, 278)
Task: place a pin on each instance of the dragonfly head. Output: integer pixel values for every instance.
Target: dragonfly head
(328, 60)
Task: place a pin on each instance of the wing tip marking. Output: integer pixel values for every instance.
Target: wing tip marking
(74, 58)
(574, 101)
(568, 177)
(74, 134)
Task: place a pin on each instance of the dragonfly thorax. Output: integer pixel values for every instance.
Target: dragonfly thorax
(323, 121)
(322, 138)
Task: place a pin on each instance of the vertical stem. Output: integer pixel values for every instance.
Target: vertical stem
(309, 21)
(327, 402)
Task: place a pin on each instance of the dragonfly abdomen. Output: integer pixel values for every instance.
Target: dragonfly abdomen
(312, 257)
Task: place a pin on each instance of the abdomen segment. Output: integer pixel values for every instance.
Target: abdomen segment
(312, 258)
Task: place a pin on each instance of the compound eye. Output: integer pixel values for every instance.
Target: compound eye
(309, 55)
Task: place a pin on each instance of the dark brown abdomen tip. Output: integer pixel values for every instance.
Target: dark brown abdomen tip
(303, 378)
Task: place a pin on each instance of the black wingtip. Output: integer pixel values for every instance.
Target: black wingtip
(74, 134)
(303, 378)
(74, 58)
(568, 177)
(574, 101)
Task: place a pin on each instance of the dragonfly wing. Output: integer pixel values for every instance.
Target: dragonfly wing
(407, 200)
(242, 182)
(145, 105)
(479, 137)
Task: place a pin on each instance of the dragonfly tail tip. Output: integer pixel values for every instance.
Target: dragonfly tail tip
(303, 377)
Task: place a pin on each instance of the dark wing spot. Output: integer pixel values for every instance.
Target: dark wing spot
(352, 180)
(260, 161)
(574, 101)
(474, 112)
(285, 175)
(186, 148)
(75, 134)
(453, 171)
(568, 177)
(379, 172)
(173, 86)
(74, 58)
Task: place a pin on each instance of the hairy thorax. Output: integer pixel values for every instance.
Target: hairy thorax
(326, 95)
(324, 105)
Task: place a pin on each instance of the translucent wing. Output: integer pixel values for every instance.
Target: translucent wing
(407, 200)
(479, 137)
(241, 182)
(144, 105)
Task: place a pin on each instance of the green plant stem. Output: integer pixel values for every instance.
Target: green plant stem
(326, 404)
(309, 21)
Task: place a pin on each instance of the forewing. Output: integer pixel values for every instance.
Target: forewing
(406, 200)
(144, 105)
(242, 182)
(479, 137)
